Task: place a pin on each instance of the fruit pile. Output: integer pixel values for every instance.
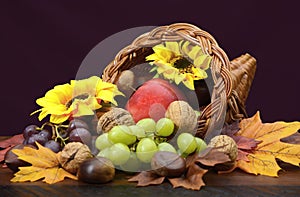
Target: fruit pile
(132, 147)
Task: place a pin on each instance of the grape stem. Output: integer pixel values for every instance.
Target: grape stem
(55, 132)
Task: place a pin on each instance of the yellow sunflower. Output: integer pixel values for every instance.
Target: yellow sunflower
(180, 62)
(77, 98)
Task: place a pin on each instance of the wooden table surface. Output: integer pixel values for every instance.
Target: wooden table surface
(237, 183)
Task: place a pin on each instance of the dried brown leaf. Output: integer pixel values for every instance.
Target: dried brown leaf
(192, 180)
(146, 178)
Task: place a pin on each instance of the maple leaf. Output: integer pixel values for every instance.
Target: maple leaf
(245, 145)
(146, 178)
(45, 165)
(262, 158)
(8, 143)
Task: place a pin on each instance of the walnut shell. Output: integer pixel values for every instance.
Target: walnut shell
(183, 116)
(229, 147)
(73, 154)
(116, 116)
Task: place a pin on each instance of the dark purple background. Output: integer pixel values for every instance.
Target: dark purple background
(42, 43)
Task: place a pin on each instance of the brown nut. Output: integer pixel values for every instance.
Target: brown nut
(11, 159)
(126, 80)
(183, 116)
(116, 116)
(73, 154)
(168, 164)
(96, 170)
(229, 147)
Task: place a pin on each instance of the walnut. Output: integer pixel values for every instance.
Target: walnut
(73, 154)
(229, 147)
(183, 116)
(116, 116)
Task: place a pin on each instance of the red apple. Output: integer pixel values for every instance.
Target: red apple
(152, 99)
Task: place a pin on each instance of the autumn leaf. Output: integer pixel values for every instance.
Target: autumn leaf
(245, 145)
(8, 143)
(45, 165)
(192, 180)
(146, 178)
(262, 158)
(195, 163)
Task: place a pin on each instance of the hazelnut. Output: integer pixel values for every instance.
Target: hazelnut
(183, 116)
(229, 147)
(73, 154)
(116, 116)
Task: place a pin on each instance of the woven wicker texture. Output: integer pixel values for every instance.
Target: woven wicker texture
(228, 93)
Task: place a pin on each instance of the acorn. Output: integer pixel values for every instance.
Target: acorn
(96, 170)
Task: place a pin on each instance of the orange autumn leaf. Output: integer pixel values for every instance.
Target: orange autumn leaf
(262, 159)
(45, 165)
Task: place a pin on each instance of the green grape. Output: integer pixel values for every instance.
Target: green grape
(132, 165)
(121, 134)
(165, 146)
(104, 153)
(148, 124)
(201, 145)
(184, 155)
(186, 143)
(164, 127)
(103, 142)
(138, 131)
(119, 153)
(145, 150)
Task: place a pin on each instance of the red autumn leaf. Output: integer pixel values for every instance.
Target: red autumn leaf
(8, 143)
(146, 178)
(245, 144)
(2, 153)
(16, 139)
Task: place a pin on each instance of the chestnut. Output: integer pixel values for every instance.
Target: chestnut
(96, 170)
(11, 159)
(168, 164)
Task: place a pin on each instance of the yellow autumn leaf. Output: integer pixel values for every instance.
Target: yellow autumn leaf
(45, 165)
(262, 160)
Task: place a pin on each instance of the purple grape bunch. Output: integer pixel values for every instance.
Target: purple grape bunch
(56, 137)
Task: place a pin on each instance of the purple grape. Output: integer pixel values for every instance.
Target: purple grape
(46, 134)
(80, 135)
(30, 130)
(76, 123)
(53, 145)
(37, 138)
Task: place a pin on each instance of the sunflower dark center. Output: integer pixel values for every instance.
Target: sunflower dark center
(183, 65)
(80, 96)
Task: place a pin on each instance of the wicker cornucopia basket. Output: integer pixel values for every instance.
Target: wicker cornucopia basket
(232, 80)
